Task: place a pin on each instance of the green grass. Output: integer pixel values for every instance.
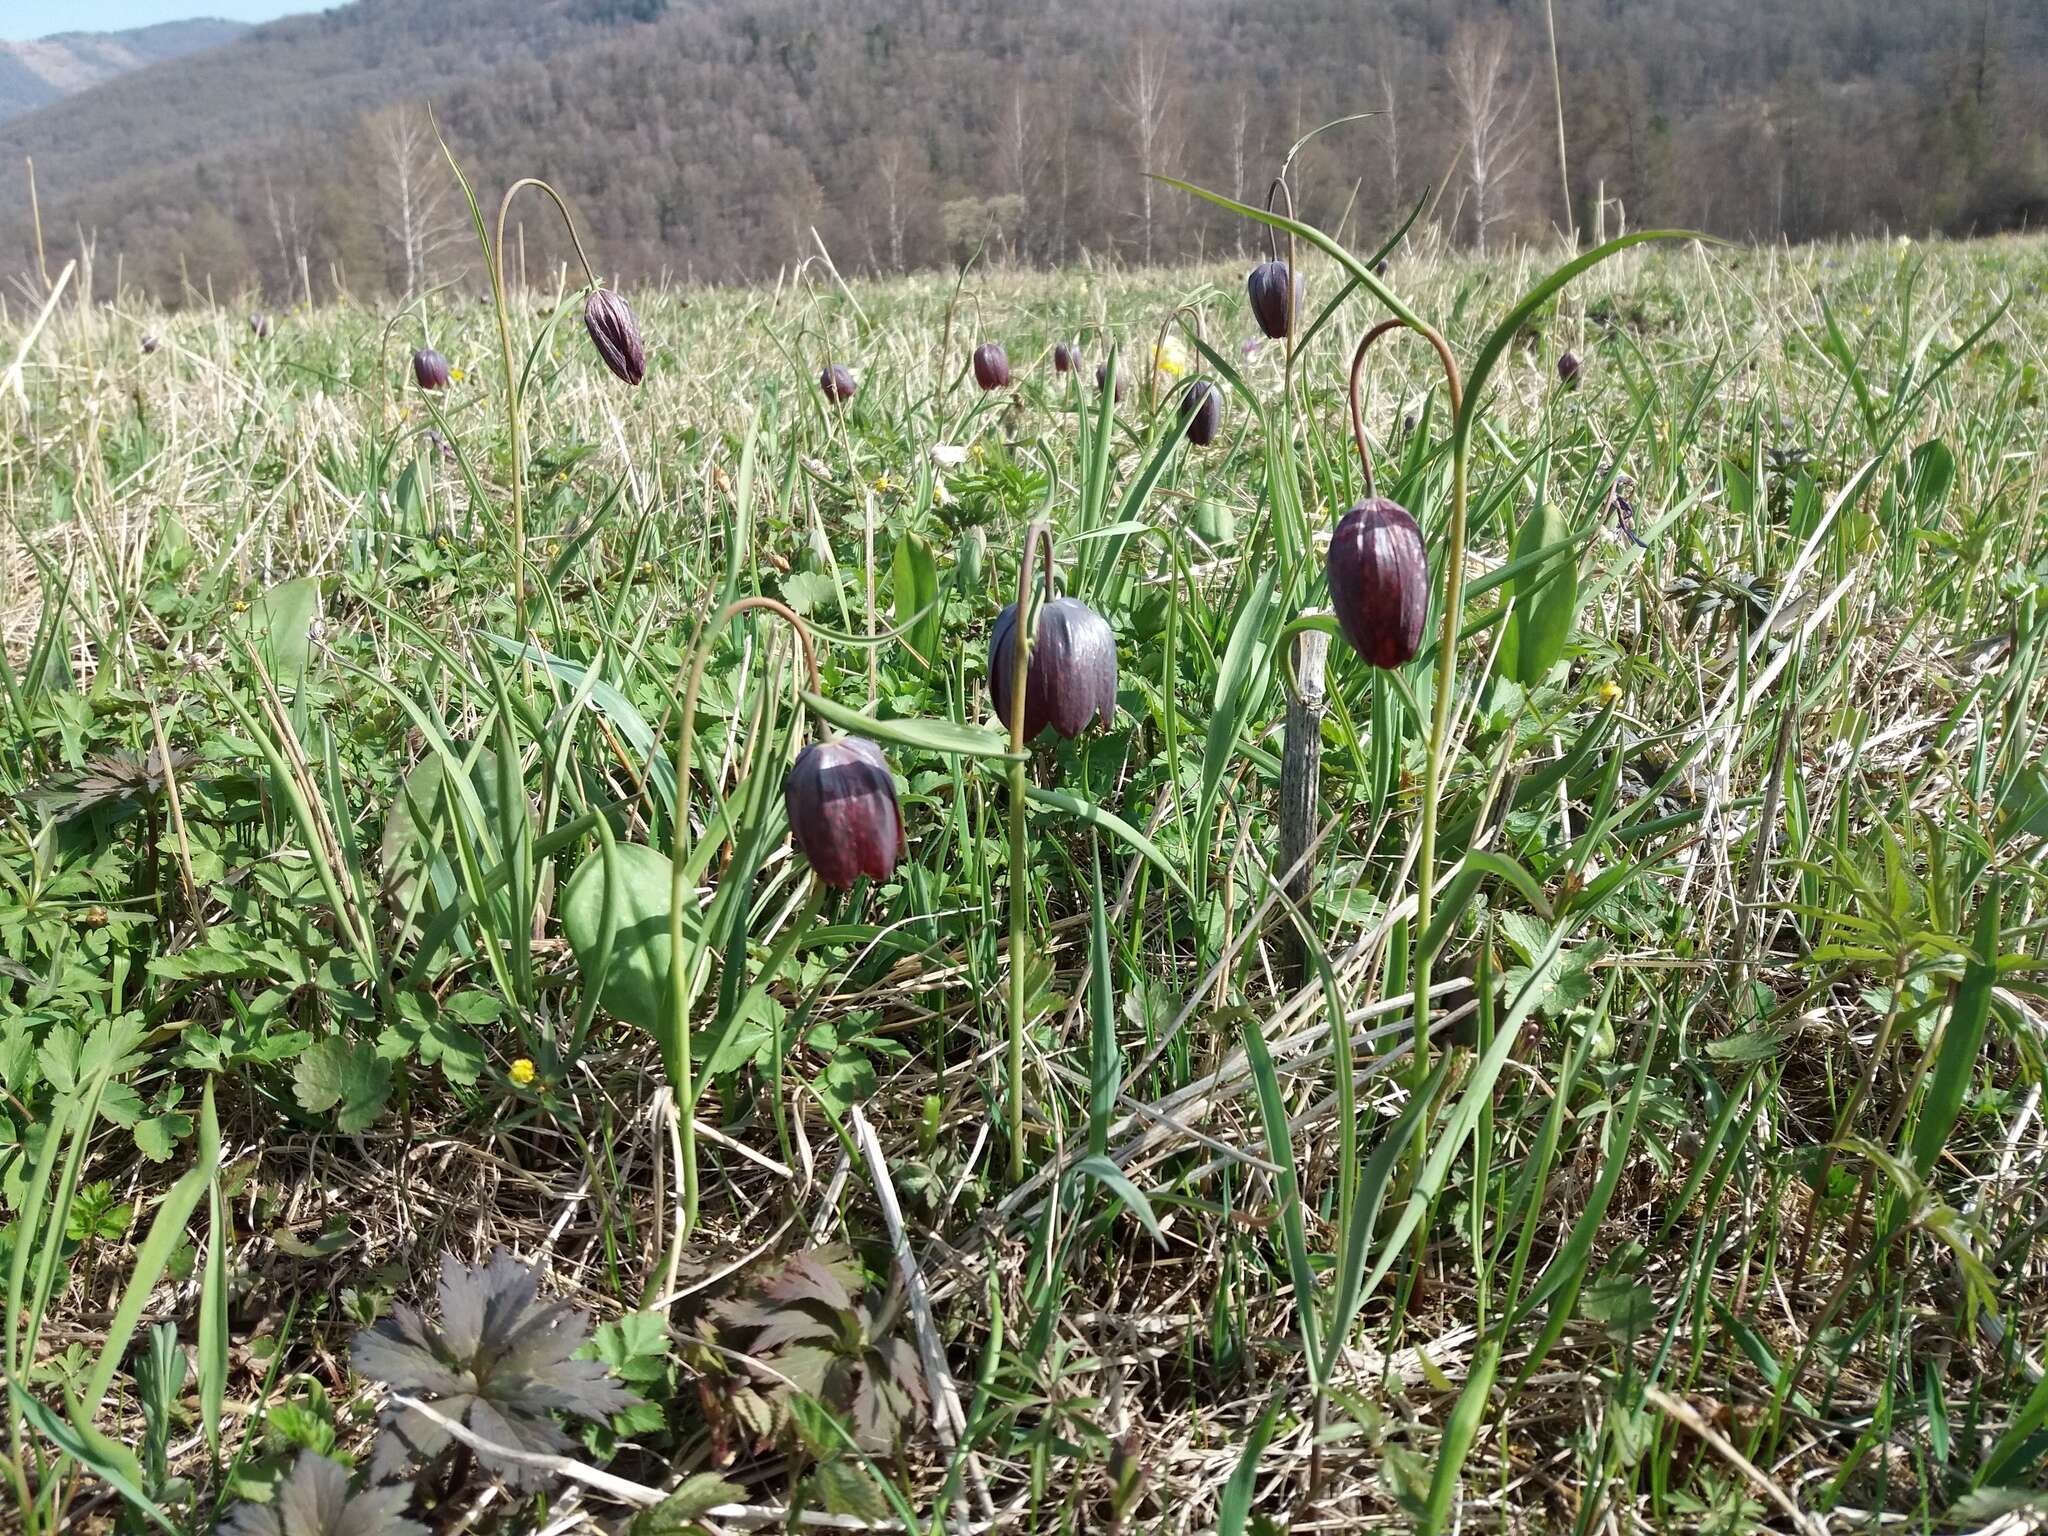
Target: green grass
(1715, 1201)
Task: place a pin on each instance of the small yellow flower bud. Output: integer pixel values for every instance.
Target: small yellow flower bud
(522, 1072)
(1610, 691)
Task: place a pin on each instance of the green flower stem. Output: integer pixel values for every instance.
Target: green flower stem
(675, 1043)
(1037, 537)
(512, 390)
(1446, 665)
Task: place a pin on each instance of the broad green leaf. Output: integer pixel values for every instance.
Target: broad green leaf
(347, 1077)
(636, 965)
(280, 625)
(1546, 600)
(915, 573)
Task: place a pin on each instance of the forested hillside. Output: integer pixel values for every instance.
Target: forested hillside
(704, 139)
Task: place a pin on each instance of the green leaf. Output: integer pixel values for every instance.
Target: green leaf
(635, 968)
(210, 1364)
(1236, 696)
(1113, 1179)
(1108, 821)
(1930, 470)
(678, 1514)
(1546, 600)
(1235, 1507)
(113, 1463)
(1956, 1064)
(280, 625)
(914, 571)
(1622, 1306)
(346, 1077)
(631, 725)
(1293, 1230)
(808, 591)
(848, 1079)
(947, 737)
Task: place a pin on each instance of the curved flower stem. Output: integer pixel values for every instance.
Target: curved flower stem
(1439, 722)
(1159, 346)
(675, 1043)
(512, 390)
(1037, 540)
(1446, 664)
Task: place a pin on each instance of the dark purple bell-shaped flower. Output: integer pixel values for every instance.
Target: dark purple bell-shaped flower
(615, 334)
(429, 369)
(1276, 293)
(1072, 681)
(842, 809)
(1102, 380)
(1379, 581)
(838, 383)
(1201, 410)
(991, 366)
(1063, 358)
(259, 324)
(149, 345)
(1568, 366)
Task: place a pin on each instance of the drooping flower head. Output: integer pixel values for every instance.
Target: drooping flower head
(1201, 411)
(430, 369)
(1379, 581)
(843, 814)
(837, 382)
(1277, 293)
(615, 334)
(1072, 679)
(991, 366)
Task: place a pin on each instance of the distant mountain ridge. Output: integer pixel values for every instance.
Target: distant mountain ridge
(33, 74)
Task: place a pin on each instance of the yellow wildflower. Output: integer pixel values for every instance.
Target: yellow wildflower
(522, 1072)
(1610, 691)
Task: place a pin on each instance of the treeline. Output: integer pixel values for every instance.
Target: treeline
(704, 141)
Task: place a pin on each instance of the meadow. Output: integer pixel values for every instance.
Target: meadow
(395, 868)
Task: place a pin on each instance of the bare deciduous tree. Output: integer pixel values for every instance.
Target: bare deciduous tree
(290, 237)
(1020, 155)
(890, 163)
(1493, 109)
(415, 190)
(1240, 121)
(1145, 97)
(1387, 125)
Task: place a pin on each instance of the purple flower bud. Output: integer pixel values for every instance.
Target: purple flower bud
(430, 369)
(149, 345)
(991, 366)
(1072, 681)
(1379, 581)
(842, 809)
(615, 335)
(1276, 293)
(1063, 358)
(1568, 366)
(1201, 411)
(1102, 379)
(260, 325)
(838, 383)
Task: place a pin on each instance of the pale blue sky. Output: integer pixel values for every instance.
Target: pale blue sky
(21, 19)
